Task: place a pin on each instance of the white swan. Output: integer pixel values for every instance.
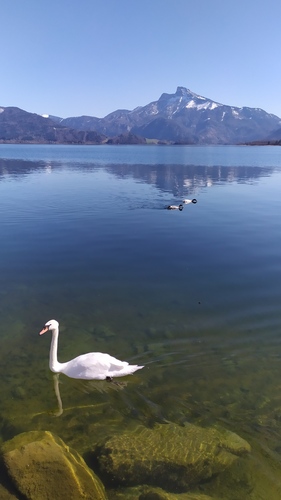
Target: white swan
(94, 365)
(189, 201)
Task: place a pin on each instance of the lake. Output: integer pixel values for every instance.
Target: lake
(193, 295)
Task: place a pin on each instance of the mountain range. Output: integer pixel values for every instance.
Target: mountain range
(180, 118)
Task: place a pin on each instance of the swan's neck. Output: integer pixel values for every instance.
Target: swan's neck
(53, 362)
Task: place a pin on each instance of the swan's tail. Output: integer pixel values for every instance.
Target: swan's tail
(125, 370)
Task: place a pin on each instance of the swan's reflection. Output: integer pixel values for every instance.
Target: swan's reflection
(128, 403)
(101, 386)
(57, 393)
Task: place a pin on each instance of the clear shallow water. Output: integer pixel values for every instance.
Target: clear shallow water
(193, 295)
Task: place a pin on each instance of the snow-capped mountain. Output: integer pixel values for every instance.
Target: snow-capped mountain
(184, 117)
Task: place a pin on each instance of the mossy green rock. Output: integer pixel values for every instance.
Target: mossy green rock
(6, 495)
(151, 493)
(170, 456)
(42, 467)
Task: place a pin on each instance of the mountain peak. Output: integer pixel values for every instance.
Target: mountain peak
(184, 92)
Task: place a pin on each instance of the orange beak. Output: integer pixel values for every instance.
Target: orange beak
(45, 329)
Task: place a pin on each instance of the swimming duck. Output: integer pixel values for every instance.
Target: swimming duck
(189, 201)
(175, 207)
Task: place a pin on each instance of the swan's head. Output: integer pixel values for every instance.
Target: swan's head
(49, 326)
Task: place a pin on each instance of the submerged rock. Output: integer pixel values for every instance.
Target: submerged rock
(103, 332)
(158, 494)
(42, 467)
(170, 456)
(151, 493)
(7, 495)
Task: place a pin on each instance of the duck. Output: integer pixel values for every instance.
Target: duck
(175, 207)
(189, 201)
(90, 366)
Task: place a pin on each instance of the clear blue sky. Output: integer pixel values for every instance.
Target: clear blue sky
(91, 57)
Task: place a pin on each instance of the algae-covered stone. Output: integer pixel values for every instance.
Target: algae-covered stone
(151, 493)
(173, 457)
(158, 494)
(6, 495)
(103, 331)
(43, 467)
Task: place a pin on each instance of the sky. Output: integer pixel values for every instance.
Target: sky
(91, 57)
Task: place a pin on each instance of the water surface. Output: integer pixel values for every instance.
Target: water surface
(192, 295)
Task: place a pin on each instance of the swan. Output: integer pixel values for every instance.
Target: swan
(189, 201)
(93, 365)
(175, 207)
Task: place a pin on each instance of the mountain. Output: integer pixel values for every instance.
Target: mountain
(274, 139)
(17, 125)
(180, 118)
(184, 117)
(275, 136)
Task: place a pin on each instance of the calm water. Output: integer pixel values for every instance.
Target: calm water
(193, 295)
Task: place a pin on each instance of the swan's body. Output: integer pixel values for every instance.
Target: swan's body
(189, 201)
(94, 365)
(174, 207)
